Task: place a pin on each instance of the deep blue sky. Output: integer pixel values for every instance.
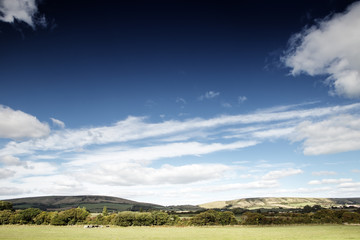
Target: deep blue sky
(95, 63)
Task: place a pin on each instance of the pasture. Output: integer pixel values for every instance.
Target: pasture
(318, 232)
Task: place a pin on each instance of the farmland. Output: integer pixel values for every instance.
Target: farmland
(317, 232)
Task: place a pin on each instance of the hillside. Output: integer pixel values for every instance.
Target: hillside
(92, 203)
(256, 203)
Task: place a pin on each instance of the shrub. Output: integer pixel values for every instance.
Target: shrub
(124, 219)
(143, 219)
(160, 218)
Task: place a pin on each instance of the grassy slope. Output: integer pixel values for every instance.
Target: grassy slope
(255, 203)
(92, 203)
(328, 232)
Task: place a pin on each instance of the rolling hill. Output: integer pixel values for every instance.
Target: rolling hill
(92, 203)
(285, 202)
(95, 203)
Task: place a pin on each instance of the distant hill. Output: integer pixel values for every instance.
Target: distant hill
(286, 203)
(91, 202)
(94, 204)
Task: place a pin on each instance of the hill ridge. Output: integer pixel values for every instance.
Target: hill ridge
(281, 202)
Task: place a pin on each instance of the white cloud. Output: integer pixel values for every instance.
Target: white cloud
(130, 174)
(331, 48)
(11, 160)
(147, 154)
(273, 175)
(17, 125)
(21, 10)
(58, 122)
(11, 191)
(136, 128)
(274, 133)
(330, 181)
(349, 185)
(336, 134)
(6, 173)
(209, 95)
(323, 173)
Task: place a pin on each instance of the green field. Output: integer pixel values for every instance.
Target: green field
(337, 232)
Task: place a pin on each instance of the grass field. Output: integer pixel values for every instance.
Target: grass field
(337, 232)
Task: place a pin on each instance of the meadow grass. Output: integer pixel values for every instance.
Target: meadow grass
(318, 232)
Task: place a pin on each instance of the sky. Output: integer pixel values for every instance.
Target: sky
(180, 102)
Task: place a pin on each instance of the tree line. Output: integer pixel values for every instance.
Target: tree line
(307, 215)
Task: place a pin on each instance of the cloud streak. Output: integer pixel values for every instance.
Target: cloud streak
(138, 153)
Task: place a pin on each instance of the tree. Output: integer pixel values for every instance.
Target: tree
(205, 218)
(4, 205)
(160, 218)
(124, 219)
(70, 217)
(105, 211)
(226, 218)
(44, 218)
(28, 215)
(351, 217)
(5, 216)
(253, 218)
(143, 219)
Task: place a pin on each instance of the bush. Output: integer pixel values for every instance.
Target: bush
(350, 217)
(4, 205)
(160, 218)
(44, 218)
(70, 217)
(124, 219)
(28, 215)
(5, 216)
(143, 219)
(205, 218)
(253, 218)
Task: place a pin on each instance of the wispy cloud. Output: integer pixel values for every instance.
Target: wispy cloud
(180, 100)
(242, 99)
(209, 95)
(331, 48)
(123, 153)
(58, 123)
(330, 181)
(323, 173)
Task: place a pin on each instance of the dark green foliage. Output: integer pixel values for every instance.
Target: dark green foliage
(143, 219)
(205, 218)
(124, 219)
(5, 216)
(326, 216)
(44, 218)
(70, 217)
(105, 211)
(156, 218)
(350, 217)
(58, 220)
(226, 218)
(4, 205)
(27, 216)
(212, 217)
(160, 218)
(251, 218)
